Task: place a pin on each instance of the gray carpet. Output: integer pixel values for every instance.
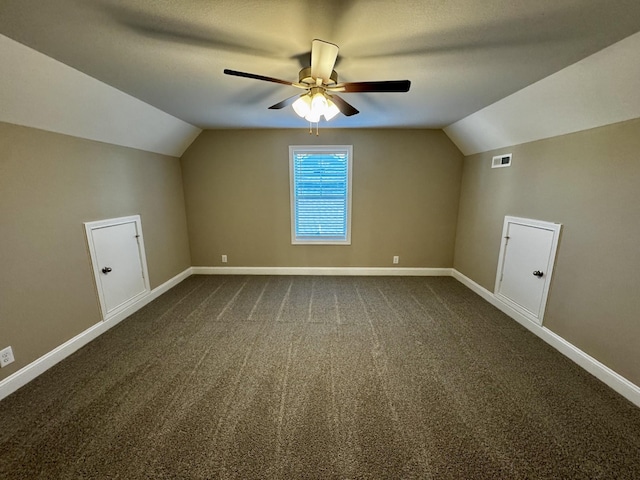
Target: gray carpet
(318, 377)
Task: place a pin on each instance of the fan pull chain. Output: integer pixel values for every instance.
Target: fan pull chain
(311, 128)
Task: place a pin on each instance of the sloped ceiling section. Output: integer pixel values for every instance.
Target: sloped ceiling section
(40, 92)
(599, 90)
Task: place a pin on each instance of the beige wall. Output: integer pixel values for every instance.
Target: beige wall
(406, 186)
(589, 182)
(49, 185)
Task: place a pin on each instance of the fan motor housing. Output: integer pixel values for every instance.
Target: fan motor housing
(305, 77)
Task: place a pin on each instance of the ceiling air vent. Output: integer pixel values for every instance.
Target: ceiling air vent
(501, 161)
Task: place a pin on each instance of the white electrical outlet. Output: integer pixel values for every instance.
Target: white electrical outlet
(396, 259)
(6, 357)
(224, 259)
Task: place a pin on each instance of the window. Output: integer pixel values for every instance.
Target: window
(320, 194)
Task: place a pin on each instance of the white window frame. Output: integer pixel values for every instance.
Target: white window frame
(294, 149)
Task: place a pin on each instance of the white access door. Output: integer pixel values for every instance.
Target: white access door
(117, 251)
(525, 265)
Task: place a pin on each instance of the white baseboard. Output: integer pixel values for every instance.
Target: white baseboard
(617, 382)
(48, 360)
(614, 380)
(346, 271)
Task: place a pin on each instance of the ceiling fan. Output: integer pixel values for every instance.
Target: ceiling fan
(320, 82)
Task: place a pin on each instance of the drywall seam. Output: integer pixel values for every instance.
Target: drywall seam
(40, 92)
(599, 90)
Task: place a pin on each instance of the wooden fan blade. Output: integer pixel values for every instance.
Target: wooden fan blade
(345, 108)
(383, 86)
(284, 103)
(256, 77)
(323, 59)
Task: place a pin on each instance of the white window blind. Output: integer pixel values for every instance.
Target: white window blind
(321, 194)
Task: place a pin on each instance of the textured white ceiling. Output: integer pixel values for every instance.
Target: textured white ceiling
(461, 55)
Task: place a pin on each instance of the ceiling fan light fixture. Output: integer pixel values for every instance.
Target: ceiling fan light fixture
(331, 110)
(313, 117)
(318, 103)
(302, 106)
(313, 106)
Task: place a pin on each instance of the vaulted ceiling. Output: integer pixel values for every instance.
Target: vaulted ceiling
(460, 55)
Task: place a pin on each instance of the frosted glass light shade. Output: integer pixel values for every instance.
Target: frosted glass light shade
(318, 104)
(302, 106)
(331, 110)
(312, 117)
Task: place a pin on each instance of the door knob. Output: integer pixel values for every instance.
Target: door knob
(538, 273)
(106, 270)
